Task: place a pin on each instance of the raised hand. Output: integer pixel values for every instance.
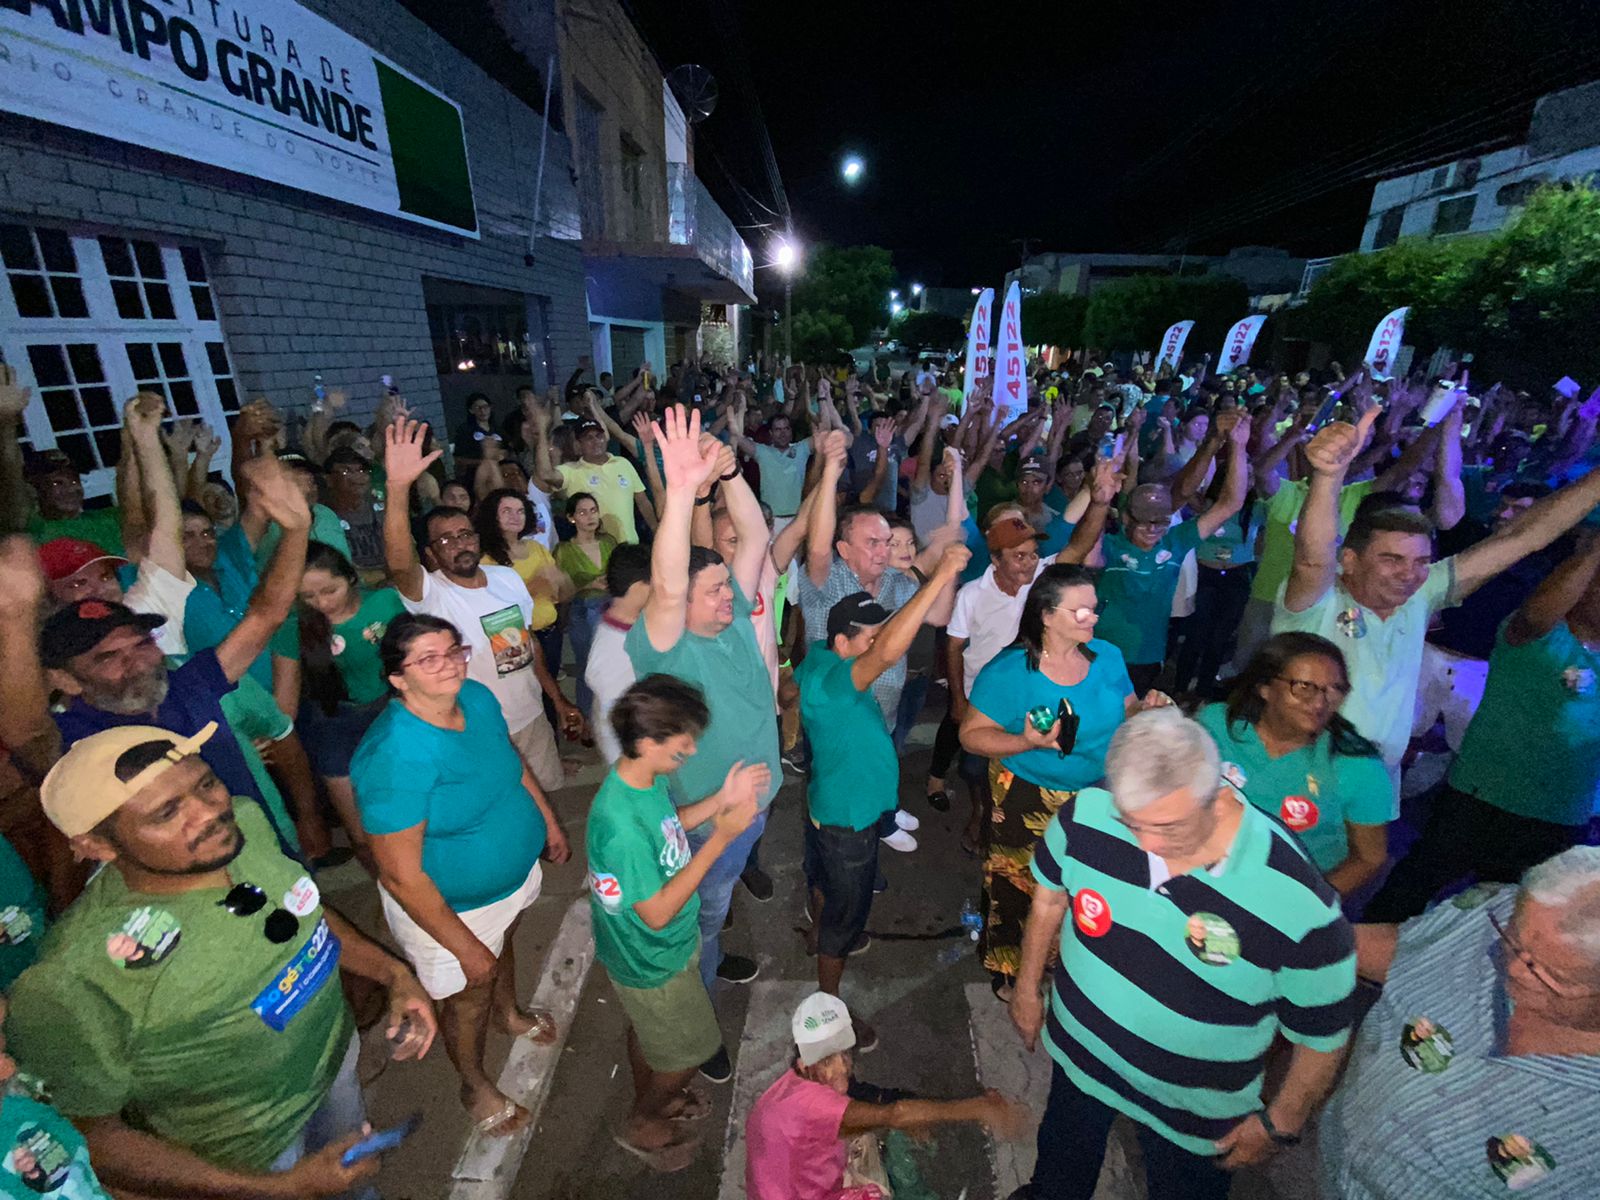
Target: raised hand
(1239, 434)
(1106, 482)
(403, 459)
(206, 442)
(21, 579)
(833, 451)
(13, 399)
(181, 437)
(883, 433)
(1337, 443)
(142, 415)
(684, 461)
(643, 430)
(271, 486)
(954, 560)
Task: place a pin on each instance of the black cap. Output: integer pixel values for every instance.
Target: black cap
(79, 628)
(585, 425)
(855, 611)
(39, 463)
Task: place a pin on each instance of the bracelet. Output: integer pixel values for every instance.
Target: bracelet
(1279, 1138)
(729, 475)
(699, 500)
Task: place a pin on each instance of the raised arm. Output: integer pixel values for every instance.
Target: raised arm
(1266, 465)
(141, 419)
(1557, 595)
(1316, 539)
(544, 469)
(16, 499)
(825, 517)
(744, 510)
(1238, 481)
(615, 432)
(687, 465)
(1449, 496)
(1532, 529)
(898, 632)
(403, 461)
(883, 435)
(25, 722)
(1085, 538)
(282, 500)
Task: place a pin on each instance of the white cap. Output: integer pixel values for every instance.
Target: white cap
(821, 1027)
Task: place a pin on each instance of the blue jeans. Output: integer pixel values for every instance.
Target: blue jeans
(716, 895)
(583, 616)
(912, 698)
(340, 1114)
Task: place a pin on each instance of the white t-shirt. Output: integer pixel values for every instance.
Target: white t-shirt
(988, 619)
(608, 673)
(546, 534)
(493, 620)
(159, 591)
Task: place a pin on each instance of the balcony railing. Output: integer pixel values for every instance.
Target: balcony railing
(695, 219)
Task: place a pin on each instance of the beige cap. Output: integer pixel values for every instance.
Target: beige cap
(83, 789)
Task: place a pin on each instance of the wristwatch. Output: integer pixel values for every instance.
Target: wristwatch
(1279, 1138)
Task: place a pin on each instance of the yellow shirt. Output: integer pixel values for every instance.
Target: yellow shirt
(612, 484)
(534, 561)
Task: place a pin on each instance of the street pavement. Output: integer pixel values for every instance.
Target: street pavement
(941, 1032)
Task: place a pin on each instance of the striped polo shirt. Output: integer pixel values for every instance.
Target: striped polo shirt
(1431, 1106)
(1171, 989)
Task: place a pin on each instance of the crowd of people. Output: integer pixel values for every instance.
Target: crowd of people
(1197, 638)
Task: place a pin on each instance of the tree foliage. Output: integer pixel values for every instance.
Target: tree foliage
(928, 330)
(840, 296)
(1054, 319)
(1133, 314)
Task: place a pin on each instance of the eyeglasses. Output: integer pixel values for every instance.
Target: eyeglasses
(1551, 982)
(1304, 689)
(246, 899)
(351, 469)
(433, 664)
(1081, 615)
(466, 537)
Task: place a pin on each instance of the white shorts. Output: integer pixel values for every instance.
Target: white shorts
(536, 743)
(437, 969)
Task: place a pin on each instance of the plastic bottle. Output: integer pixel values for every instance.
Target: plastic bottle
(971, 919)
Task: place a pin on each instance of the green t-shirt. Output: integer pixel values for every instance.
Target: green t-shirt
(482, 830)
(1314, 792)
(783, 476)
(252, 713)
(354, 644)
(636, 843)
(184, 1018)
(731, 672)
(1234, 545)
(1533, 747)
(22, 919)
(325, 527)
(855, 774)
(1136, 589)
(102, 526)
(575, 561)
(43, 1154)
(1283, 515)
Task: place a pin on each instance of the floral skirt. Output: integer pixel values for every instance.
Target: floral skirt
(1021, 810)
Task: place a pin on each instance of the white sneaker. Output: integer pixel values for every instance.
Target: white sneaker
(906, 821)
(900, 840)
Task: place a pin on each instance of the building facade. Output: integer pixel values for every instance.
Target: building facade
(1265, 270)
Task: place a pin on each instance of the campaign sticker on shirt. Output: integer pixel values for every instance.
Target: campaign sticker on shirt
(1426, 1046)
(622, 480)
(606, 889)
(302, 977)
(15, 925)
(594, 479)
(1578, 680)
(336, 644)
(302, 897)
(1299, 813)
(39, 1160)
(1234, 775)
(1163, 556)
(509, 640)
(1223, 553)
(1130, 562)
(373, 633)
(1351, 622)
(1091, 912)
(1211, 939)
(1518, 1161)
(147, 936)
(674, 855)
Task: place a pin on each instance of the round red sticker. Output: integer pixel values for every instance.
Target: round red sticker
(1092, 913)
(1299, 812)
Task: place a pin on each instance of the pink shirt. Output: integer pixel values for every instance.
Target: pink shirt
(793, 1150)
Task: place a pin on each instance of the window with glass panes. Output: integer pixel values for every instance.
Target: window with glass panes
(87, 320)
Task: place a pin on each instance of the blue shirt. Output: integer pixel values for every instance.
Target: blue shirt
(1007, 689)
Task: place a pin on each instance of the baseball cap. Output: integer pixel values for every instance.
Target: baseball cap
(40, 463)
(1010, 532)
(82, 789)
(856, 609)
(1150, 502)
(64, 557)
(821, 1027)
(585, 425)
(1033, 465)
(79, 628)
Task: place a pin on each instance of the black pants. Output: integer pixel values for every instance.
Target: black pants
(1072, 1147)
(1466, 836)
(947, 752)
(1219, 602)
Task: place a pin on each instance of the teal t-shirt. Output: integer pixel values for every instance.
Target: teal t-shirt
(1533, 748)
(1314, 792)
(1007, 689)
(1233, 545)
(783, 476)
(22, 919)
(1136, 589)
(43, 1154)
(325, 527)
(731, 672)
(354, 644)
(855, 775)
(483, 831)
(636, 844)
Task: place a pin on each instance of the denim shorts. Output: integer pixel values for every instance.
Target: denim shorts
(841, 864)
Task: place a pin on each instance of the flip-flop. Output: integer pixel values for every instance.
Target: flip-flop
(544, 1022)
(495, 1120)
(664, 1160)
(696, 1106)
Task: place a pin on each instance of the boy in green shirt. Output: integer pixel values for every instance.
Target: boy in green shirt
(642, 881)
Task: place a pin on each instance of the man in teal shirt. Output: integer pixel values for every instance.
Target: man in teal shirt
(855, 773)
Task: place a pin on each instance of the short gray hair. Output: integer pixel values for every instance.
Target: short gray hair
(1157, 752)
(1571, 882)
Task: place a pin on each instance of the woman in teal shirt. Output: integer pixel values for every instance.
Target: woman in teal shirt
(1059, 666)
(1286, 749)
(457, 824)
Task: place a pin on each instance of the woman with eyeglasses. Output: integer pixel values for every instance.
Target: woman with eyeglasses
(457, 824)
(1286, 749)
(1043, 711)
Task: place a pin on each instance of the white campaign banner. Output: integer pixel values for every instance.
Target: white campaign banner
(1010, 361)
(978, 345)
(1172, 345)
(1240, 341)
(265, 88)
(1385, 343)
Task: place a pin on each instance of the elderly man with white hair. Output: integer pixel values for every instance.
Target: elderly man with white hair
(1200, 932)
(1478, 1069)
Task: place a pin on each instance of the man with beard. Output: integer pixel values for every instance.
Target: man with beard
(489, 605)
(185, 1009)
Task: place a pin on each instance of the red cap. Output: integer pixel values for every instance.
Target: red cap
(64, 557)
(1009, 533)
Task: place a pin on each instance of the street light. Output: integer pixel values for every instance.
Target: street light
(916, 289)
(894, 293)
(787, 259)
(894, 309)
(852, 169)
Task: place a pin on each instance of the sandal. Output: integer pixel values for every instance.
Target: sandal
(544, 1030)
(970, 847)
(696, 1106)
(1002, 987)
(939, 801)
(674, 1156)
(493, 1121)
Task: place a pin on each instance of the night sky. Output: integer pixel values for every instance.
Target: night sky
(1111, 128)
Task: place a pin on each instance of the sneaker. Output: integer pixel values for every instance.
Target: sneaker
(794, 762)
(906, 821)
(718, 1068)
(861, 945)
(900, 840)
(866, 1036)
(735, 968)
(758, 883)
